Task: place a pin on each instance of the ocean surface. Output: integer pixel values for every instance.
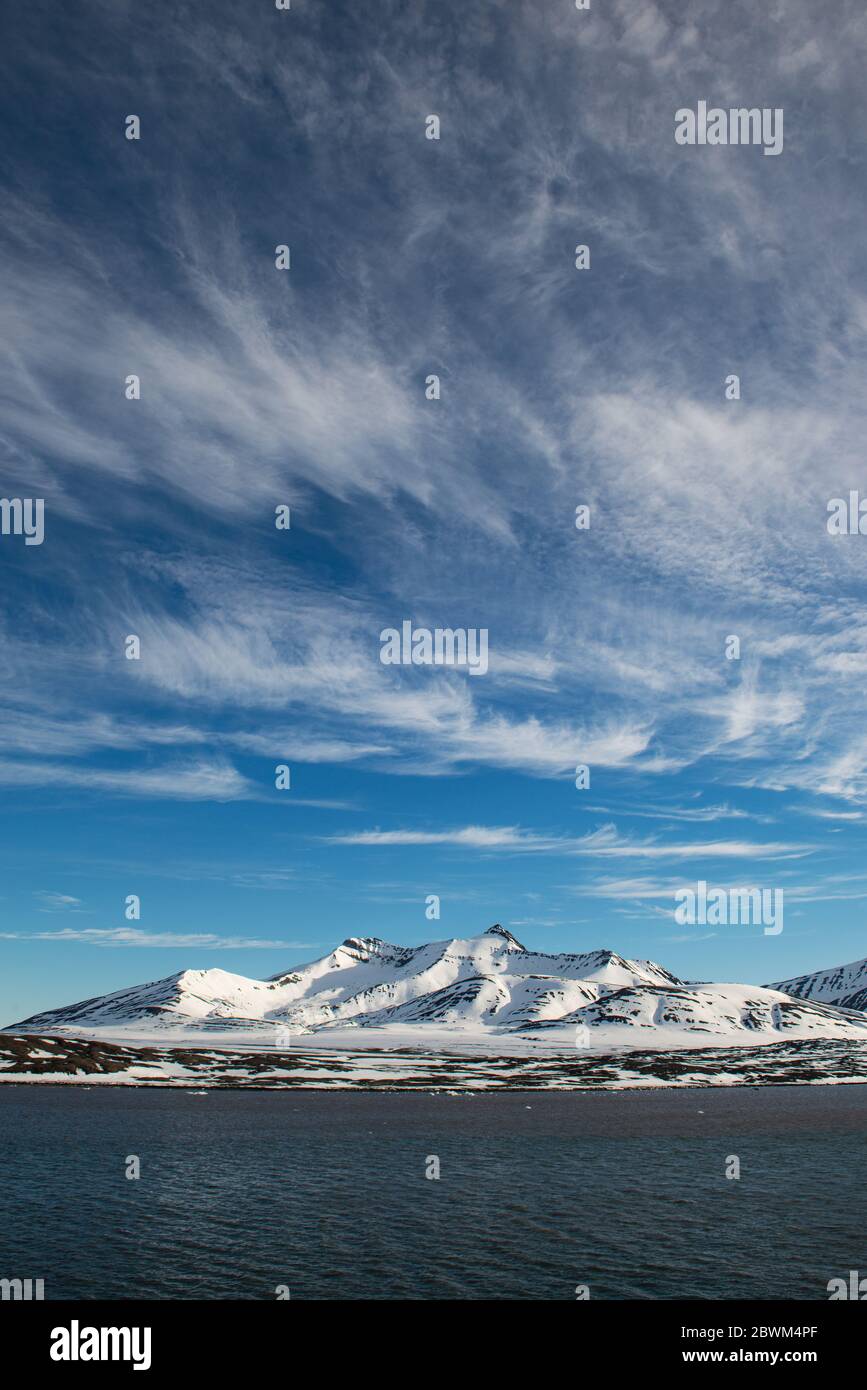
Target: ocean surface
(326, 1195)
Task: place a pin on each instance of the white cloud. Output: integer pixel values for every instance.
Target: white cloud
(199, 781)
(604, 842)
(133, 936)
(57, 902)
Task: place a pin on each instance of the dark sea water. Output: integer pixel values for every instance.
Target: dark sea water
(241, 1192)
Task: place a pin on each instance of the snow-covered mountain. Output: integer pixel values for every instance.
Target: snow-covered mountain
(843, 985)
(486, 990)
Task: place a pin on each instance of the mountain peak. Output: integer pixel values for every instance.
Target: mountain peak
(369, 947)
(497, 930)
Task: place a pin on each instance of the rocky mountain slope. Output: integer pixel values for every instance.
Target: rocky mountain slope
(842, 985)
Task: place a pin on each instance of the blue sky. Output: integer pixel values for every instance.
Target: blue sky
(306, 388)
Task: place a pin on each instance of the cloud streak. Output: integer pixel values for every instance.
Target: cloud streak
(133, 936)
(602, 843)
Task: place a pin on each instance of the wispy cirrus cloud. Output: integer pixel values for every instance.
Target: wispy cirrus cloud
(58, 902)
(134, 936)
(193, 781)
(603, 843)
(696, 814)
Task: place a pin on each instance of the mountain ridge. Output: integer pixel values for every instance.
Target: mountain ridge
(842, 985)
(485, 990)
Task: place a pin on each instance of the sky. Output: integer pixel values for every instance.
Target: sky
(308, 388)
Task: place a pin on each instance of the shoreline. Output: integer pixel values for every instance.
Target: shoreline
(43, 1060)
(385, 1089)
